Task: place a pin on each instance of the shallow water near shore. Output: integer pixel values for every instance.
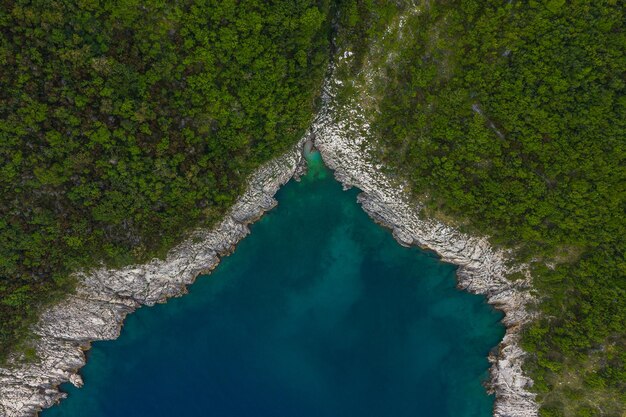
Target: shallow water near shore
(318, 313)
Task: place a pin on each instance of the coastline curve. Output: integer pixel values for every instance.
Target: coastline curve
(482, 269)
(104, 297)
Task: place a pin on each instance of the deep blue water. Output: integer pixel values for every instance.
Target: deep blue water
(318, 313)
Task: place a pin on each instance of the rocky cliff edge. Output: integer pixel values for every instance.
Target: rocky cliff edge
(104, 297)
(482, 269)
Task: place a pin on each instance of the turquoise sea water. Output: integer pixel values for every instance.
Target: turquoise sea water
(318, 313)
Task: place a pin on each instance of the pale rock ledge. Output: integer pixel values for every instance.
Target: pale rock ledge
(104, 297)
(482, 269)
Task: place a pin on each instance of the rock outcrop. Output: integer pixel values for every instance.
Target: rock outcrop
(482, 269)
(104, 297)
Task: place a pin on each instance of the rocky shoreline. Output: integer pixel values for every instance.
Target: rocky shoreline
(104, 297)
(482, 269)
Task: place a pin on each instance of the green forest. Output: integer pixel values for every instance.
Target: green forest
(126, 124)
(509, 119)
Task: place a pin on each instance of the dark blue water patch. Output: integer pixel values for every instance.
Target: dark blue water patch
(318, 313)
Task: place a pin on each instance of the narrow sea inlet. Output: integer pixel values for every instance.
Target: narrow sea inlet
(318, 313)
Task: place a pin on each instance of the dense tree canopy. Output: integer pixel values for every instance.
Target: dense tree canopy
(510, 117)
(125, 123)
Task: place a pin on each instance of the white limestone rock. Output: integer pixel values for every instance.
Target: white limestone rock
(482, 269)
(104, 297)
